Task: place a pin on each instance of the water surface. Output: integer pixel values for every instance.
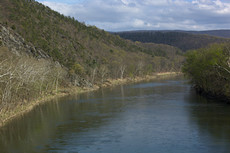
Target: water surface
(163, 116)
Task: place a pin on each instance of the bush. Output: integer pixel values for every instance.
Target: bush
(13, 27)
(209, 70)
(78, 69)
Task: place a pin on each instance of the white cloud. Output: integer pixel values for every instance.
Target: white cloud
(119, 15)
(138, 23)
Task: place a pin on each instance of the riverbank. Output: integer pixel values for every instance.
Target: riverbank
(114, 82)
(8, 115)
(210, 95)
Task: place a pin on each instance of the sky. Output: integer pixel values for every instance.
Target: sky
(126, 15)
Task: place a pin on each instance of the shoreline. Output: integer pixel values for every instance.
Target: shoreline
(210, 95)
(7, 116)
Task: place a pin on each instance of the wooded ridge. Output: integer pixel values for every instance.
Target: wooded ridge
(185, 40)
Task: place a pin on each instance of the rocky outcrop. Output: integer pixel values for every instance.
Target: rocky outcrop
(18, 45)
(80, 81)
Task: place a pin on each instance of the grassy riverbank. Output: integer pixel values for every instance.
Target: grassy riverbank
(113, 82)
(7, 115)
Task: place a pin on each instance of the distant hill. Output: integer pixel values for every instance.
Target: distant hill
(182, 39)
(217, 33)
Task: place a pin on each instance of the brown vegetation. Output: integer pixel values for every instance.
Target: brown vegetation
(24, 79)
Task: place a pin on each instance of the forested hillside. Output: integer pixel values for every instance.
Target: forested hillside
(82, 49)
(43, 51)
(180, 39)
(209, 70)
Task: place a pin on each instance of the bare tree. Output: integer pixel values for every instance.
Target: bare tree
(93, 74)
(103, 70)
(139, 68)
(122, 70)
(58, 74)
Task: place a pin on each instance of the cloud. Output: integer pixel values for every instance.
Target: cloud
(120, 15)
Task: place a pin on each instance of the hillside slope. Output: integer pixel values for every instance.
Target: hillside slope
(86, 51)
(26, 73)
(183, 40)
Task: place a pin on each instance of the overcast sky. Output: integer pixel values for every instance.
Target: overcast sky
(123, 15)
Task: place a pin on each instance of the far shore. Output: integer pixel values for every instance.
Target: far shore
(7, 116)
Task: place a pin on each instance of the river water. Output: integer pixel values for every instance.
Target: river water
(162, 116)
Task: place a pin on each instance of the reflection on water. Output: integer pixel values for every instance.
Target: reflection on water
(213, 121)
(161, 116)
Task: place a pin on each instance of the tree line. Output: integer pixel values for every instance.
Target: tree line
(180, 39)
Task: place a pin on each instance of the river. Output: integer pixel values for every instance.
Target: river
(161, 116)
